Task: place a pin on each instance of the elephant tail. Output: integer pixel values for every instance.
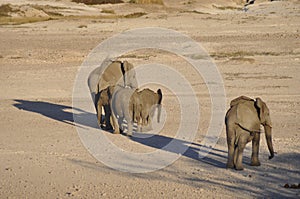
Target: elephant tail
(160, 96)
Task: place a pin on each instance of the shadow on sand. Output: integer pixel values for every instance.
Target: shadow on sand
(58, 112)
(215, 158)
(63, 113)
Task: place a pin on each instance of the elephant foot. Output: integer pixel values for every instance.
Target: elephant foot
(229, 166)
(255, 163)
(116, 132)
(129, 134)
(239, 168)
(108, 128)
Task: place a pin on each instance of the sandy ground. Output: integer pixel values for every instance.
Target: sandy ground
(41, 155)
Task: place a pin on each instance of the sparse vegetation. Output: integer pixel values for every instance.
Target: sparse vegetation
(226, 7)
(194, 11)
(242, 54)
(160, 2)
(243, 59)
(94, 2)
(135, 15)
(46, 9)
(5, 9)
(108, 11)
(18, 21)
(82, 26)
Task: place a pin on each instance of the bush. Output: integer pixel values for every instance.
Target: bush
(147, 1)
(5, 9)
(94, 2)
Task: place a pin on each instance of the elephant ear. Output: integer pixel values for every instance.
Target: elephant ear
(247, 117)
(261, 106)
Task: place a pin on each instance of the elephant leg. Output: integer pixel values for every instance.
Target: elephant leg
(129, 120)
(231, 146)
(149, 125)
(120, 123)
(242, 141)
(255, 150)
(99, 114)
(107, 118)
(115, 124)
(139, 124)
(130, 128)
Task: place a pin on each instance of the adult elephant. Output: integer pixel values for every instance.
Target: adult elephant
(148, 100)
(243, 121)
(119, 73)
(102, 82)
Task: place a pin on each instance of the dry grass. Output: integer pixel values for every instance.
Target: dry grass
(241, 54)
(6, 18)
(195, 11)
(94, 2)
(5, 9)
(226, 7)
(46, 9)
(18, 21)
(82, 26)
(160, 2)
(108, 11)
(134, 15)
(53, 14)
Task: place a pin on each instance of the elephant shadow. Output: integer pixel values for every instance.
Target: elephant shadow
(65, 114)
(215, 157)
(58, 112)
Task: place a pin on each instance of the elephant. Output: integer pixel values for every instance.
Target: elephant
(122, 106)
(144, 111)
(243, 120)
(117, 73)
(134, 106)
(104, 100)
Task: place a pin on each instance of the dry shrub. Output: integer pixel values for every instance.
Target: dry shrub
(135, 15)
(5, 9)
(147, 1)
(108, 11)
(94, 2)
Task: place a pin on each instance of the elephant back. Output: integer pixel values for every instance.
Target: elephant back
(240, 99)
(247, 116)
(111, 76)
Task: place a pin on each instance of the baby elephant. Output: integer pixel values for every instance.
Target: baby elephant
(243, 121)
(103, 100)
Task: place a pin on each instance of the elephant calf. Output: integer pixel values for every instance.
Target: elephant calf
(144, 106)
(243, 121)
(134, 106)
(103, 99)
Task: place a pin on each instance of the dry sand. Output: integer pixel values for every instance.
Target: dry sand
(41, 156)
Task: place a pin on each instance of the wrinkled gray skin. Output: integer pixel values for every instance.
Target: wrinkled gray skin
(122, 108)
(117, 73)
(134, 106)
(243, 121)
(148, 100)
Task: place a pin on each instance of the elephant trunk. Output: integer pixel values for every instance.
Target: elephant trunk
(268, 133)
(159, 104)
